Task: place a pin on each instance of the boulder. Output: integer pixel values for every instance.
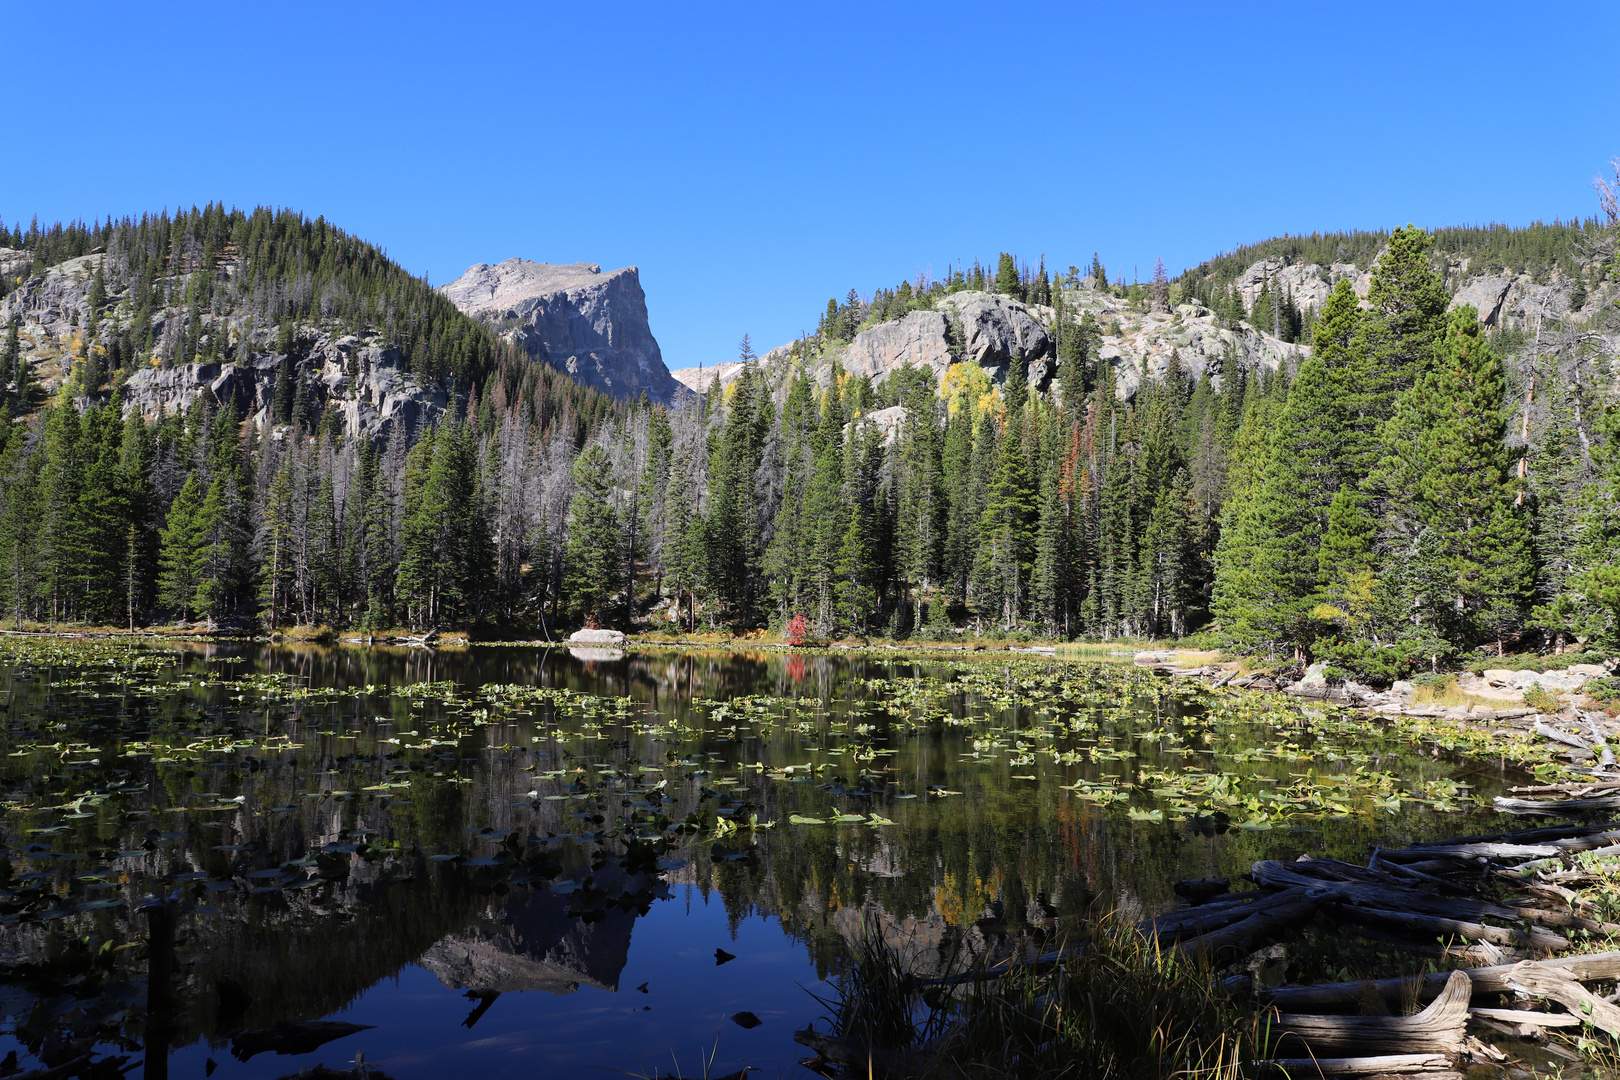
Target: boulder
(891, 422)
(1501, 676)
(1403, 691)
(1591, 671)
(1315, 675)
(575, 318)
(1561, 682)
(603, 638)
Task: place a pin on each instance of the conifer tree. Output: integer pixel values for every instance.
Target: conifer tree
(591, 561)
(1006, 534)
(182, 552)
(1007, 282)
(1445, 456)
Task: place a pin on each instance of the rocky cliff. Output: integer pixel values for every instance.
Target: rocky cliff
(575, 318)
(1504, 298)
(354, 377)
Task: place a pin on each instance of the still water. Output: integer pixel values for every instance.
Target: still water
(509, 861)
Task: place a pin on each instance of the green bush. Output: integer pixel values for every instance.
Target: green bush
(1605, 690)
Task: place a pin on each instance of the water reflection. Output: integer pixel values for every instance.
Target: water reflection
(336, 839)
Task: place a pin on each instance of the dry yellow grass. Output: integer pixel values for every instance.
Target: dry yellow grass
(1449, 696)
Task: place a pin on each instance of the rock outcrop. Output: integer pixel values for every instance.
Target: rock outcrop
(973, 327)
(919, 338)
(575, 318)
(363, 382)
(360, 379)
(996, 328)
(1501, 298)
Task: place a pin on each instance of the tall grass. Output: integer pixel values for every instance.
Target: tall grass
(1119, 1007)
(1087, 650)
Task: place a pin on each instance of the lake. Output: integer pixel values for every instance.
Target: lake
(509, 860)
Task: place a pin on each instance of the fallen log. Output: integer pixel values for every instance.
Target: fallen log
(1533, 1019)
(1549, 849)
(1301, 1068)
(1589, 967)
(1375, 891)
(1523, 836)
(1421, 877)
(1561, 987)
(1438, 1029)
(1190, 922)
(1473, 851)
(852, 1055)
(1257, 926)
(1547, 731)
(1552, 807)
(1525, 869)
(1439, 926)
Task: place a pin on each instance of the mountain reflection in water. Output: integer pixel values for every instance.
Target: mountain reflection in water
(425, 841)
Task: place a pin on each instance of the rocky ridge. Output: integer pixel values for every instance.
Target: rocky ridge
(358, 378)
(1503, 299)
(989, 330)
(574, 317)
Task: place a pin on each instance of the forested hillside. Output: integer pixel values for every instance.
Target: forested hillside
(1418, 484)
(113, 514)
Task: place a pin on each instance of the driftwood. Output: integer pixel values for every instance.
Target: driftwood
(1258, 925)
(1038, 965)
(1590, 967)
(1301, 1068)
(1560, 986)
(1547, 731)
(1438, 1029)
(1361, 887)
(1525, 869)
(1529, 1019)
(1191, 922)
(1552, 807)
(1536, 835)
(1435, 925)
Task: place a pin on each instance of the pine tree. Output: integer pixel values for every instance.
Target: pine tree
(591, 562)
(182, 552)
(1006, 534)
(276, 548)
(1446, 457)
(734, 524)
(1007, 282)
(1398, 338)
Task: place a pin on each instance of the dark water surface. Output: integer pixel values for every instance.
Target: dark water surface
(518, 862)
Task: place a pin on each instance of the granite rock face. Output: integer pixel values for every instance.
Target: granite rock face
(575, 318)
(996, 328)
(974, 327)
(919, 338)
(371, 391)
(361, 378)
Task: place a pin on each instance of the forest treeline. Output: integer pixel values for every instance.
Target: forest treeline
(1535, 249)
(1405, 497)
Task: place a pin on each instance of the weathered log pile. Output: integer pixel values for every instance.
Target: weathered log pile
(1414, 897)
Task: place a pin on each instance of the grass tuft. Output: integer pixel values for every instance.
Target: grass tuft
(1119, 1008)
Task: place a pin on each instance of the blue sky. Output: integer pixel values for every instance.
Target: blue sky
(756, 159)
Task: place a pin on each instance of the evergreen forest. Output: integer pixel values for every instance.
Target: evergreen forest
(1418, 489)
